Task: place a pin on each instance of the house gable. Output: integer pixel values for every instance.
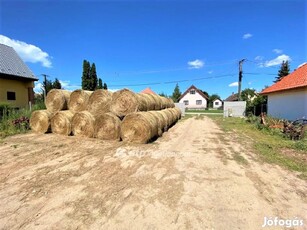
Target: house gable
(193, 98)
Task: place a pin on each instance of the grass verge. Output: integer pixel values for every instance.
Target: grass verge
(270, 145)
(15, 121)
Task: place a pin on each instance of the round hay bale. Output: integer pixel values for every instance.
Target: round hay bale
(61, 122)
(178, 111)
(150, 101)
(171, 103)
(165, 102)
(79, 100)
(107, 127)
(99, 102)
(139, 127)
(157, 102)
(161, 121)
(83, 124)
(57, 99)
(175, 114)
(123, 102)
(171, 116)
(166, 118)
(142, 102)
(40, 121)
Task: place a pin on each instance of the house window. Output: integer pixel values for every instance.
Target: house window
(216, 103)
(192, 91)
(199, 102)
(186, 102)
(11, 96)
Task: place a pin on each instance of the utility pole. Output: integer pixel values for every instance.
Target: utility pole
(45, 85)
(240, 79)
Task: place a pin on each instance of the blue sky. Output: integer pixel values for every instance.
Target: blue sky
(158, 43)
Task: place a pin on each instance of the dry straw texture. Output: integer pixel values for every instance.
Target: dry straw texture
(83, 124)
(124, 102)
(139, 127)
(159, 120)
(170, 103)
(79, 100)
(107, 127)
(57, 99)
(166, 118)
(61, 122)
(143, 103)
(99, 102)
(40, 121)
(150, 101)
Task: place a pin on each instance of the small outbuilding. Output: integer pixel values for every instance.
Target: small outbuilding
(287, 99)
(217, 103)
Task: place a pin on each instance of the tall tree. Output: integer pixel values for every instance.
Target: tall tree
(100, 84)
(176, 94)
(284, 71)
(93, 78)
(205, 92)
(105, 86)
(57, 84)
(86, 81)
(163, 94)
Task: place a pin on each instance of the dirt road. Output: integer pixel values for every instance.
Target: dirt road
(194, 177)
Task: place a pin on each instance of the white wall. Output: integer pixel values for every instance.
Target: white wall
(181, 107)
(218, 105)
(192, 101)
(290, 105)
(234, 108)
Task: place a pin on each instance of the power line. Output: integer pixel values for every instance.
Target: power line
(178, 81)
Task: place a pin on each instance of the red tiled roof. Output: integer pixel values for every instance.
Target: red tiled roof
(296, 79)
(148, 91)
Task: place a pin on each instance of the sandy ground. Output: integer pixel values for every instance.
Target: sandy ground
(194, 177)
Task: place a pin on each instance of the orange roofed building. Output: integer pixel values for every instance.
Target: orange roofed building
(148, 91)
(287, 99)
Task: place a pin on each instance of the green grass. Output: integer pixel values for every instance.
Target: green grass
(8, 124)
(204, 111)
(270, 145)
(240, 159)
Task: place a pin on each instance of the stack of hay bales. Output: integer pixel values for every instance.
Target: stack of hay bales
(123, 115)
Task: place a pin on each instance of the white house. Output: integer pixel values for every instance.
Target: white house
(193, 98)
(287, 98)
(217, 103)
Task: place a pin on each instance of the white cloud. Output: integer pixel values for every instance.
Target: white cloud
(66, 85)
(196, 64)
(233, 84)
(277, 61)
(113, 90)
(210, 72)
(28, 52)
(277, 51)
(259, 58)
(38, 87)
(246, 36)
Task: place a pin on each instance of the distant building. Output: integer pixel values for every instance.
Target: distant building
(232, 97)
(193, 98)
(16, 79)
(148, 91)
(217, 103)
(287, 98)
